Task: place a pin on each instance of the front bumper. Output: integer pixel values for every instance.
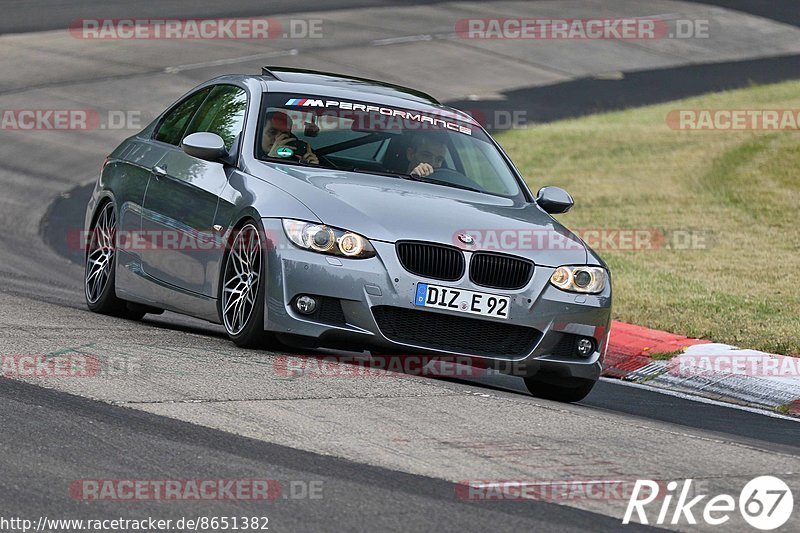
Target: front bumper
(359, 285)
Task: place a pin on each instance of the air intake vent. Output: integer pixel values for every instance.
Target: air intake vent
(433, 261)
(500, 271)
(457, 334)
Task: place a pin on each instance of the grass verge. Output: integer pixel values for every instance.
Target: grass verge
(727, 204)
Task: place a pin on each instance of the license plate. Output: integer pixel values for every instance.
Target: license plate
(464, 301)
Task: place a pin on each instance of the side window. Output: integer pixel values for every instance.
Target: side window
(171, 128)
(222, 113)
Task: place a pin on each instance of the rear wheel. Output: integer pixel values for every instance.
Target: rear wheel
(564, 390)
(100, 271)
(243, 289)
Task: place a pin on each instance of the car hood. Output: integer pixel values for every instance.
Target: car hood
(389, 209)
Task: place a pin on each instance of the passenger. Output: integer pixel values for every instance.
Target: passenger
(278, 134)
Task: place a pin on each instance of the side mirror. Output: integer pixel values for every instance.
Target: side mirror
(204, 145)
(554, 200)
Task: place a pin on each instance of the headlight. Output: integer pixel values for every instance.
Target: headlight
(588, 279)
(327, 240)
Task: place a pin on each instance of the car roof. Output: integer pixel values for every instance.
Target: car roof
(329, 79)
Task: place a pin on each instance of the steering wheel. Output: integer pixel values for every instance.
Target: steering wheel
(453, 176)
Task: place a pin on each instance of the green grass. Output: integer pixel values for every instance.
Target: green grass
(740, 191)
(664, 356)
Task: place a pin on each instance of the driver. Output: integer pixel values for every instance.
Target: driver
(277, 134)
(426, 154)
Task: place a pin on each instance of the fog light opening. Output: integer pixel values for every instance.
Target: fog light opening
(305, 305)
(585, 347)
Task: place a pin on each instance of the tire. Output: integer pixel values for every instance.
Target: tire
(567, 390)
(243, 286)
(101, 268)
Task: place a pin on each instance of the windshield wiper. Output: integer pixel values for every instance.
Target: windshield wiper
(442, 182)
(380, 173)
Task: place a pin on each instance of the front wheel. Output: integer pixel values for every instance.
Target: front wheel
(243, 287)
(101, 268)
(566, 390)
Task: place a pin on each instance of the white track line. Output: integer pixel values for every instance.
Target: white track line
(232, 60)
(398, 40)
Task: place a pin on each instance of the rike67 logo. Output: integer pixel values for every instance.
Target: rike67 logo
(766, 503)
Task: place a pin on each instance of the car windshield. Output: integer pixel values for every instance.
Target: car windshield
(436, 146)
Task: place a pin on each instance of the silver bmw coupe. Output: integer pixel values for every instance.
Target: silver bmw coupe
(318, 210)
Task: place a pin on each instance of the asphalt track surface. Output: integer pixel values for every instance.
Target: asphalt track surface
(118, 443)
(41, 15)
(388, 451)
